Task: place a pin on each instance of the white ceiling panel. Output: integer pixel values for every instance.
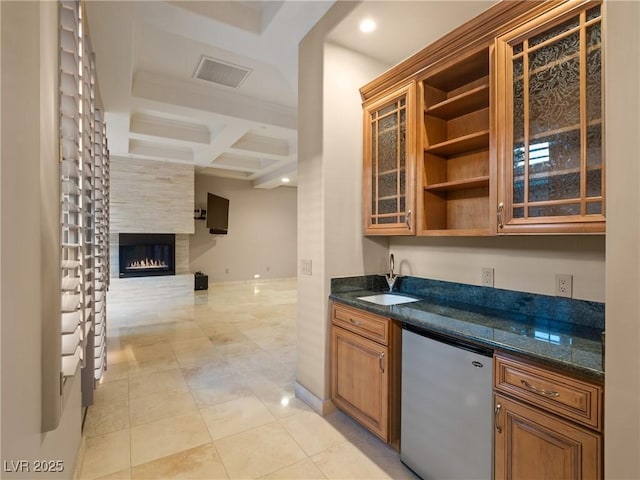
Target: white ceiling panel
(148, 51)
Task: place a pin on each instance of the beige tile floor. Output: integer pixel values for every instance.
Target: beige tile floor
(202, 388)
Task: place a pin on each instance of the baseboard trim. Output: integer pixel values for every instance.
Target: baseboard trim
(323, 407)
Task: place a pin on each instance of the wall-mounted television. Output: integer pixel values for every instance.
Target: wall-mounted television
(217, 214)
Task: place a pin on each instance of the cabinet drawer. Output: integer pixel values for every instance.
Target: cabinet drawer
(366, 324)
(565, 396)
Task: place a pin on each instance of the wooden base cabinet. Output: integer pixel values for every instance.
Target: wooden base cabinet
(531, 444)
(364, 372)
(547, 425)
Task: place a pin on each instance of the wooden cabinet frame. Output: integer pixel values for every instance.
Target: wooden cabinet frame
(370, 192)
(455, 161)
(530, 443)
(365, 370)
(507, 224)
(547, 424)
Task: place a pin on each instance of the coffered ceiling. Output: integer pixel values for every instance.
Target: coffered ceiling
(214, 83)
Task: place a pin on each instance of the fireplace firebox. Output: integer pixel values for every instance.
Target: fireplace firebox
(147, 254)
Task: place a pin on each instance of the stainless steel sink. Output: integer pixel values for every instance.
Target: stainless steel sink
(388, 299)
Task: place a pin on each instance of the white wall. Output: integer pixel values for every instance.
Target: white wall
(527, 263)
(622, 363)
(262, 232)
(329, 190)
(29, 54)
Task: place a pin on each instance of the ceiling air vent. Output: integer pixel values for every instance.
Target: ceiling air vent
(222, 73)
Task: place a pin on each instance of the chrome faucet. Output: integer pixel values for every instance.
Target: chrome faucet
(391, 277)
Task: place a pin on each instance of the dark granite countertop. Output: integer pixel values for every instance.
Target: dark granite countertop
(558, 332)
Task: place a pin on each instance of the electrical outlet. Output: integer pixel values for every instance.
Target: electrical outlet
(564, 285)
(487, 277)
(306, 267)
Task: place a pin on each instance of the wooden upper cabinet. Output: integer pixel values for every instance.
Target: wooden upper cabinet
(456, 180)
(550, 123)
(496, 128)
(389, 163)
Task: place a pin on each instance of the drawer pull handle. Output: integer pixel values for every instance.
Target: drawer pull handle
(380, 357)
(496, 417)
(355, 322)
(539, 391)
(500, 210)
(408, 220)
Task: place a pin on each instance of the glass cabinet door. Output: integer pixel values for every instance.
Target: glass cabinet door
(550, 97)
(389, 156)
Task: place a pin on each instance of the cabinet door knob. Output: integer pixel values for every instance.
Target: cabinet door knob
(500, 209)
(496, 418)
(355, 322)
(380, 357)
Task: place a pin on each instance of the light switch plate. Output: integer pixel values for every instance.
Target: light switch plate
(306, 266)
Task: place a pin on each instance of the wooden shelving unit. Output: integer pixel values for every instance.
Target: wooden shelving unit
(508, 127)
(459, 184)
(456, 146)
(474, 99)
(454, 172)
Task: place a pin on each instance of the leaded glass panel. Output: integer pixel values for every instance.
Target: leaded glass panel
(594, 208)
(593, 13)
(387, 184)
(388, 109)
(554, 32)
(388, 162)
(387, 143)
(389, 205)
(555, 210)
(554, 135)
(554, 97)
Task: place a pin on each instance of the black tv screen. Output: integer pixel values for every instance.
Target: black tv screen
(217, 214)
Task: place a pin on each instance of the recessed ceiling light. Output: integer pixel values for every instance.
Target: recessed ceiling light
(367, 25)
(285, 179)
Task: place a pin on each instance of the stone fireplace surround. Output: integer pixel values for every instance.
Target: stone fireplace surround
(150, 197)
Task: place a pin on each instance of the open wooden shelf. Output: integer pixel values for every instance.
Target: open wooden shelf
(459, 184)
(456, 180)
(466, 102)
(464, 144)
(466, 71)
